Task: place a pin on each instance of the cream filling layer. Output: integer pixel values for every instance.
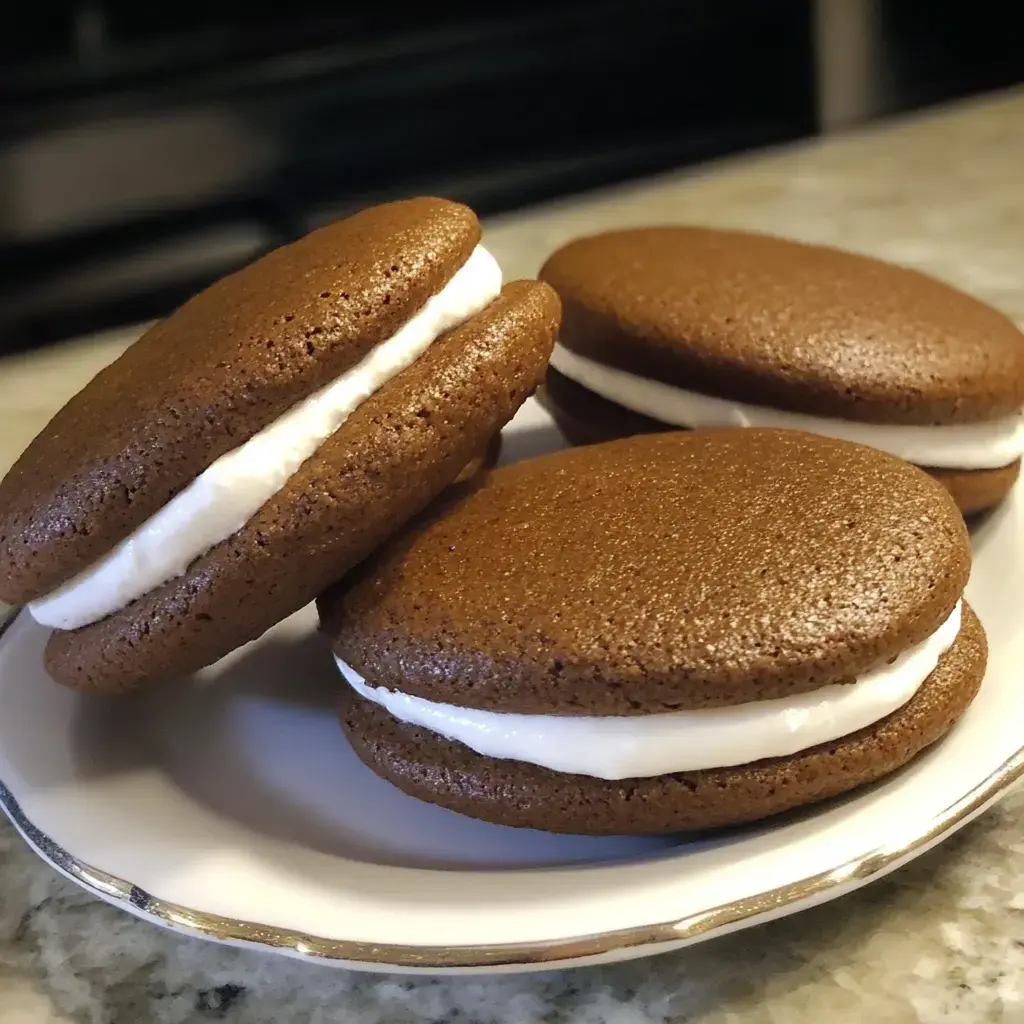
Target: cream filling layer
(987, 445)
(642, 746)
(222, 499)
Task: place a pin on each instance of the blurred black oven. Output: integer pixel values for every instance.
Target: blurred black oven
(145, 149)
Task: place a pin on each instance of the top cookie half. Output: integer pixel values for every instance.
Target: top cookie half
(658, 573)
(802, 328)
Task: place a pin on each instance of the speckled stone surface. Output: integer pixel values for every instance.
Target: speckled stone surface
(939, 942)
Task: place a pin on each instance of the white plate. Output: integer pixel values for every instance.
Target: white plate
(236, 811)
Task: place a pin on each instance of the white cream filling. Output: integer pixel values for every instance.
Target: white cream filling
(636, 747)
(225, 496)
(987, 445)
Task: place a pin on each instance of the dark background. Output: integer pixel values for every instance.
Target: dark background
(145, 149)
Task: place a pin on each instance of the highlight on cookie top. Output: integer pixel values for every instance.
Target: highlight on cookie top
(263, 438)
(694, 327)
(675, 631)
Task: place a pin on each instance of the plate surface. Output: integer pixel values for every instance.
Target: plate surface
(230, 806)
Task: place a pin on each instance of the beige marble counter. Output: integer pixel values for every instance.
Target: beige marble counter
(940, 941)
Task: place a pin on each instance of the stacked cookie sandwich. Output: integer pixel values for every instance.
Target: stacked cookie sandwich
(673, 631)
(692, 327)
(253, 446)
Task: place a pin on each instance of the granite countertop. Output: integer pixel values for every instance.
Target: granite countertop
(941, 940)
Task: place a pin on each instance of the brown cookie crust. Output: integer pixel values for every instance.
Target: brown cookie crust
(584, 417)
(223, 366)
(681, 570)
(393, 455)
(799, 327)
(440, 771)
(975, 490)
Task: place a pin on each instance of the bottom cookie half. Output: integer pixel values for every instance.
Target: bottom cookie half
(586, 418)
(447, 773)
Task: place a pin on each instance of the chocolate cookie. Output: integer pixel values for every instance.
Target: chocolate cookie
(569, 644)
(693, 327)
(252, 447)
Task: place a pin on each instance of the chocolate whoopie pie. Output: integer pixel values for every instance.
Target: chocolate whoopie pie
(666, 632)
(253, 446)
(693, 327)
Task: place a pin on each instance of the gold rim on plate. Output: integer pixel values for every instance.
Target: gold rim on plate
(783, 898)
